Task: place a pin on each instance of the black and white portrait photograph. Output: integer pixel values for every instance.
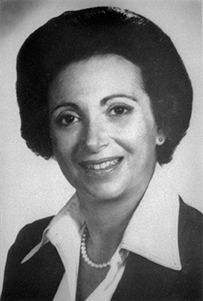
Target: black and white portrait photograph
(101, 150)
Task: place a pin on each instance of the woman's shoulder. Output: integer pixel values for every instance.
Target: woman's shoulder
(190, 235)
(37, 226)
(28, 237)
(33, 231)
(38, 276)
(190, 217)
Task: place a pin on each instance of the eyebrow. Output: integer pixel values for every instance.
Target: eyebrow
(102, 102)
(107, 98)
(65, 104)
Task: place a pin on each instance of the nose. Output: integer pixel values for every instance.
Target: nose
(95, 137)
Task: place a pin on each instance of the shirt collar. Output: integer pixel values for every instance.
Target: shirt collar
(71, 211)
(152, 231)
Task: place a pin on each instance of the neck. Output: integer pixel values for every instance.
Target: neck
(107, 219)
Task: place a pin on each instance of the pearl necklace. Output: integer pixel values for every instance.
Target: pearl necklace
(86, 257)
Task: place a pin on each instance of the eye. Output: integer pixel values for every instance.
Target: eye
(120, 110)
(67, 119)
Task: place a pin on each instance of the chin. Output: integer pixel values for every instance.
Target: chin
(104, 192)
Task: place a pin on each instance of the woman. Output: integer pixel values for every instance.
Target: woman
(105, 93)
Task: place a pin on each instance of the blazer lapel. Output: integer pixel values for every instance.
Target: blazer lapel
(144, 280)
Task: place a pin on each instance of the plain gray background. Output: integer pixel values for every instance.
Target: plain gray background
(32, 187)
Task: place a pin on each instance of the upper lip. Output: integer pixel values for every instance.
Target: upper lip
(100, 161)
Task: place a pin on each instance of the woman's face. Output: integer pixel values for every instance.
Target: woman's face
(103, 130)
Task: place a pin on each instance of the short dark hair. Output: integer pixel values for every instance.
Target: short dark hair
(78, 35)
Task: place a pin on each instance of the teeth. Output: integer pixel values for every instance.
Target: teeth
(102, 166)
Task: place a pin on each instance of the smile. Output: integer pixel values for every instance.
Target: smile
(101, 165)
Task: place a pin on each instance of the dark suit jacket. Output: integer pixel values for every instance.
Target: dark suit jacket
(143, 280)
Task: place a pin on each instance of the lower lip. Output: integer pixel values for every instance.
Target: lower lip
(100, 172)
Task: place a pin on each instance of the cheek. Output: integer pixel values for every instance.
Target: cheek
(64, 153)
(138, 135)
(63, 146)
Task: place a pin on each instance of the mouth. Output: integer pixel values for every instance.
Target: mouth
(103, 165)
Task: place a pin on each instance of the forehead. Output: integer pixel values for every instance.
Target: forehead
(110, 74)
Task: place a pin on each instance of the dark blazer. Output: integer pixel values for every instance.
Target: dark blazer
(143, 280)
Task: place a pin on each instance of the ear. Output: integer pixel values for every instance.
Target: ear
(161, 137)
